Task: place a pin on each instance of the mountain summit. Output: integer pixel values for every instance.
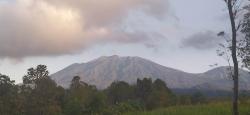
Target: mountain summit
(107, 69)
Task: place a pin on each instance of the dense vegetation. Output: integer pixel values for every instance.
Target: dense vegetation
(40, 95)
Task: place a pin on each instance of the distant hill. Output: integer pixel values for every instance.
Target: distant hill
(104, 70)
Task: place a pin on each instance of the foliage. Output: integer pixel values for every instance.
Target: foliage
(40, 95)
(79, 99)
(244, 49)
(35, 74)
(119, 92)
(8, 96)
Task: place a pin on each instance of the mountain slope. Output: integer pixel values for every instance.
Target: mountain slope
(220, 79)
(104, 70)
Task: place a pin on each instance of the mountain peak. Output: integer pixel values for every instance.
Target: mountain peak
(118, 57)
(112, 56)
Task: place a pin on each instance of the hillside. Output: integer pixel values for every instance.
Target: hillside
(104, 70)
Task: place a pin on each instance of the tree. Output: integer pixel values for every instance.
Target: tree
(245, 44)
(232, 14)
(119, 92)
(160, 95)
(143, 88)
(157, 99)
(79, 98)
(239, 48)
(233, 11)
(8, 96)
(97, 103)
(41, 92)
(153, 94)
(35, 74)
(5, 84)
(75, 83)
(161, 85)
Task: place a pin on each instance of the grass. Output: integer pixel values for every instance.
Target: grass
(208, 109)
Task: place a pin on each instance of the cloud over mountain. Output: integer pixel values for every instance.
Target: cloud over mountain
(202, 40)
(58, 27)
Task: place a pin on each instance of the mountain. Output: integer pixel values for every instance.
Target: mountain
(104, 70)
(219, 79)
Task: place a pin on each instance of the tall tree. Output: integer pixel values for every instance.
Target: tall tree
(8, 96)
(79, 98)
(143, 88)
(119, 92)
(232, 15)
(160, 95)
(35, 74)
(42, 93)
(234, 11)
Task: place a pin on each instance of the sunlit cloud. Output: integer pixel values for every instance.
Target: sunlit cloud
(59, 27)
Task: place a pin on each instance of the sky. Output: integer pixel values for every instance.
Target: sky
(175, 33)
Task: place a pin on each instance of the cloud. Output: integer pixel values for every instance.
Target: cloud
(102, 12)
(202, 40)
(59, 27)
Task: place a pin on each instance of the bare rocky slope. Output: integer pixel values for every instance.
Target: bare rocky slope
(104, 70)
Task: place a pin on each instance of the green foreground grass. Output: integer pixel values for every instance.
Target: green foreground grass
(208, 109)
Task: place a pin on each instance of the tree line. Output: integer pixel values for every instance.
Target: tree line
(40, 95)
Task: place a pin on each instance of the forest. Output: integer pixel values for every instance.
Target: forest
(40, 95)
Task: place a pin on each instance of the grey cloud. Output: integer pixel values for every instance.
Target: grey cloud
(59, 27)
(202, 40)
(147, 38)
(137, 37)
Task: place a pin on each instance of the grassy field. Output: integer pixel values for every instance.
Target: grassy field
(209, 109)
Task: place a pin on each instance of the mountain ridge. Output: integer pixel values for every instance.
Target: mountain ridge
(106, 69)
